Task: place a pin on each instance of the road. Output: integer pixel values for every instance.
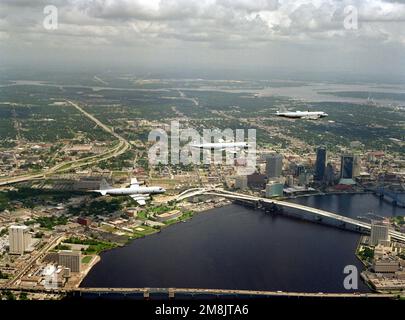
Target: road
(148, 292)
(122, 146)
(32, 260)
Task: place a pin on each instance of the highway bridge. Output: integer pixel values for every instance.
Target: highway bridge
(121, 147)
(172, 293)
(395, 197)
(319, 214)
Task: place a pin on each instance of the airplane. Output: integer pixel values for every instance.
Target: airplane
(309, 115)
(233, 147)
(136, 192)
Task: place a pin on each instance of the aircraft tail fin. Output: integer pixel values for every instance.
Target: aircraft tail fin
(282, 108)
(104, 185)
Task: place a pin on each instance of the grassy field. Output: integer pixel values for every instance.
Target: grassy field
(86, 259)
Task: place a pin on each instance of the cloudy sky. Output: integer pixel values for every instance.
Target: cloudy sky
(296, 35)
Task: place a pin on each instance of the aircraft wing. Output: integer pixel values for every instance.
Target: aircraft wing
(314, 117)
(134, 182)
(234, 150)
(140, 198)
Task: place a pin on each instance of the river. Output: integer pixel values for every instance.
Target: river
(237, 248)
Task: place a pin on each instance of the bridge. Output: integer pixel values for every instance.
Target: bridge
(172, 293)
(395, 197)
(318, 214)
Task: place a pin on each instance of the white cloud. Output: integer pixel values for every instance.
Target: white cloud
(216, 24)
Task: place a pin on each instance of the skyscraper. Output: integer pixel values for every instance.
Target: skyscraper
(70, 259)
(274, 165)
(356, 166)
(329, 175)
(379, 233)
(346, 166)
(348, 169)
(299, 169)
(320, 164)
(19, 239)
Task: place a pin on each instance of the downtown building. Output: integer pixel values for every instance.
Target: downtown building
(19, 239)
(379, 234)
(70, 259)
(274, 165)
(320, 164)
(349, 168)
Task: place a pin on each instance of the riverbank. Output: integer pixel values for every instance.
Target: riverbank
(196, 208)
(231, 248)
(329, 193)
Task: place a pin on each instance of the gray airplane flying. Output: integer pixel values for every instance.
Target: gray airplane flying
(309, 115)
(233, 147)
(135, 191)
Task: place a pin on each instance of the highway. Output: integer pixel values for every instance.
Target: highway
(320, 213)
(148, 292)
(122, 146)
(41, 253)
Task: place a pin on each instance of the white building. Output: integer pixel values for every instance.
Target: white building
(19, 239)
(241, 182)
(379, 233)
(70, 259)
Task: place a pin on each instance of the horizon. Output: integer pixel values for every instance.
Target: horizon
(250, 39)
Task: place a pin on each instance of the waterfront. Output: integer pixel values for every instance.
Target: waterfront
(351, 205)
(237, 248)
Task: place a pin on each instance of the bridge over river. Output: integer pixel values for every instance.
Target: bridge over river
(173, 293)
(317, 214)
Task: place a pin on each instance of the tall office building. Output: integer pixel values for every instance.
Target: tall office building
(356, 166)
(274, 189)
(299, 169)
(379, 233)
(329, 175)
(241, 182)
(70, 259)
(274, 165)
(349, 168)
(320, 164)
(346, 166)
(19, 239)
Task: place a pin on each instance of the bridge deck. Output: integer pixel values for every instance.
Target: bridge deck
(322, 213)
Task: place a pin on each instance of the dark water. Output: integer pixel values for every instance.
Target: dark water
(352, 205)
(237, 248)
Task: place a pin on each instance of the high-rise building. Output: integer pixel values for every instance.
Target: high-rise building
(70, 259)
(379, 233)
(289, 181)
(320, 164)
(356, 166)
(304, 178)
(274, 189)
(346, 166)
(329, 175)
(299, 169)
(241, 182)
(256, 181)
(19, 239)
(349, 168)
(274, 165)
